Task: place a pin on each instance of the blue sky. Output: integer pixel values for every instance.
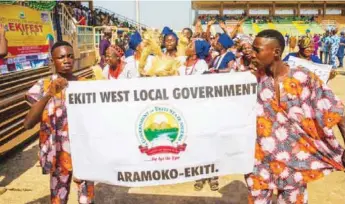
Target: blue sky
(157, 14)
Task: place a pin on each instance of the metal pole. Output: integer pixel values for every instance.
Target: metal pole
(137, 13)
(57, 22)
(190, 17)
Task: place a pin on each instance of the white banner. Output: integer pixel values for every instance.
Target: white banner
(321, 70)
(164, 130)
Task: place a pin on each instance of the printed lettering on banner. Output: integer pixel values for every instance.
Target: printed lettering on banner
(135, 133)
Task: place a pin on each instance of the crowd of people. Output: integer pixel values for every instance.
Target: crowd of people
(295, 115)
(327, 48)
(84, 16)
(205, 18)
(280, 19)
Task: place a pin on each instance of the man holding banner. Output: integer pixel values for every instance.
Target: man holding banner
(296, 112)
(48, 107)
(169, 137)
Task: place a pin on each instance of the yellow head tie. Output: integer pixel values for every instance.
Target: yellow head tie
(161, 66)
(305, 42)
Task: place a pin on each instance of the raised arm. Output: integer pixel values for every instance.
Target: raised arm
(223, 27)
(208, 30)
(236, 29)
(35, 114)
(198, 27)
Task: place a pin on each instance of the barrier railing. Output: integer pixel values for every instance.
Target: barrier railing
(13, 106)
(329, 22)
(326, 23)
(13, 86)
(98, 35)
(231, 22)
(85, 38)
(68, 26)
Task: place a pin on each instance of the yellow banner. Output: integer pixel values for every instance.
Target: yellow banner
(28, 31)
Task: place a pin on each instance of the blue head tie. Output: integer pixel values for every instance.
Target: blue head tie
(168, 31)
(134, 40)
(225, 41)
(202, 48)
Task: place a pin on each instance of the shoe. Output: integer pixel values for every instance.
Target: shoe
(199, 185)
(214, 185)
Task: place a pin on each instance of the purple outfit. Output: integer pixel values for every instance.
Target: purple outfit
(103, 46)
(316, 44)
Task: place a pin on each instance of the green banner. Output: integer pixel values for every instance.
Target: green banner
(38, 5)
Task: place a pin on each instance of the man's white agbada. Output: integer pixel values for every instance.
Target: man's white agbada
(186, 134)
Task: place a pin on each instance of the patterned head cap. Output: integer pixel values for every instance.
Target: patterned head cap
(117, 50)
(305, 42)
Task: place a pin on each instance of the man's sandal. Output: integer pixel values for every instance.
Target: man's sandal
(199, 185)
(214, 185)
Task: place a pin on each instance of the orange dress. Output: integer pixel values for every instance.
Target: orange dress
(295, 142)
(54, 154)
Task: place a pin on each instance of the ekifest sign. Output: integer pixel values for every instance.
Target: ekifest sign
(27, 30)
(164, 130)
(29, 34)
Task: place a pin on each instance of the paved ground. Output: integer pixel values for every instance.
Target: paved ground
(22, 177)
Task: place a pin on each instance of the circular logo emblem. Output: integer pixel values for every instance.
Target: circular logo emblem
(161, 129)
(22, 15)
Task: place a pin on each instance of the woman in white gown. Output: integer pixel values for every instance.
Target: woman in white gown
(131, 69)
(196, 53)
(174, 47)
(115, 63)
